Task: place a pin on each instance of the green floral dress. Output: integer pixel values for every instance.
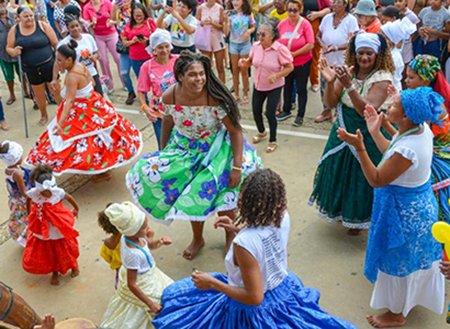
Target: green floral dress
(188, 179)
(340, 191)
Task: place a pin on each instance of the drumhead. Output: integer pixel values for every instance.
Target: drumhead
(76, 323)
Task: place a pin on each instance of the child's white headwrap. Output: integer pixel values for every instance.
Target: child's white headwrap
(126, 217)
(399, 30)
(14, 154)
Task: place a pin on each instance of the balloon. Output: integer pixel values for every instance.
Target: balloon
(441, 232)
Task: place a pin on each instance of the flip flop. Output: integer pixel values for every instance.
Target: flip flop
(10, 101)
(259, 137)
(271, 147)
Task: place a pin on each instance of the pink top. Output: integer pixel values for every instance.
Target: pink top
(267, 62)
(303, 36)
(103, 15)
(137, 50)
(156, 78)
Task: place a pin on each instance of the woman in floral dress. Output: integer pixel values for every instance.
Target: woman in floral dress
(87, 136)
(204, 156)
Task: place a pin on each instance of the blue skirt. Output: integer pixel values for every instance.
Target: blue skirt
(290, 305)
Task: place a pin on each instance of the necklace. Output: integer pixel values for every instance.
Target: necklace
(337, 21)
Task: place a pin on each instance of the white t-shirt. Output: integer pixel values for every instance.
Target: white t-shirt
(399, 67)
(418, 148)
(135, 259)
(269, 247)
(337, 37)
(407, 50)
(86, 47)
(179, 36)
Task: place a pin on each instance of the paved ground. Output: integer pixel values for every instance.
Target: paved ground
(322, 254)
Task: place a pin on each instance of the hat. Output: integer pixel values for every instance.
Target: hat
(14, 154)
(366, 8)
(158, 37)
(422, 104)
(399, 30)
(126, 217)
(367, 40)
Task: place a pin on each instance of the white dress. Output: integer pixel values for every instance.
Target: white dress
(423, 287)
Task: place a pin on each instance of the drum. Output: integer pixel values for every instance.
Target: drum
(76, 323)
(15, 311)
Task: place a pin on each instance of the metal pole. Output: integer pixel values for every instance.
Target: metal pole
(23, 96)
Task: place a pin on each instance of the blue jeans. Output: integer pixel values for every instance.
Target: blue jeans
(157, 128)
(125, 68)
(2, 115)
(433, 48)
(136, 65)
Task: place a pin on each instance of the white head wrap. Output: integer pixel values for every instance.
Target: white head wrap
(399, 30)
(126, 217)
(158, 37)
(369, 40)
(48, 184)
(14, 154)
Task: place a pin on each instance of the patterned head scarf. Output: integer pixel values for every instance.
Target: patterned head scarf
(426, 67)
(422, 104)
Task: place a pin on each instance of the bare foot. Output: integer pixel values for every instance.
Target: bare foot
(354, 231)
(192, 250)
(75, 273)
(43, 121)
(55, 279)
(101, 177)
(386, 320)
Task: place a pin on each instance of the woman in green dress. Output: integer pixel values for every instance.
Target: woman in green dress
(204, 155)
(340, 190)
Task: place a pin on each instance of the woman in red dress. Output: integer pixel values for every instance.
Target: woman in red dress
(87, 136)
(52, 245)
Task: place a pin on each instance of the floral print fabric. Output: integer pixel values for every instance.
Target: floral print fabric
(95, 139)
(177, 182)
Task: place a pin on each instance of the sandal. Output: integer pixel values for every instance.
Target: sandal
(259, 137)
(10, 101)
(4, 126)
(271, 147)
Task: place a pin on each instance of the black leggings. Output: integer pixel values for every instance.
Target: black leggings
(273, 98)
(300, 75)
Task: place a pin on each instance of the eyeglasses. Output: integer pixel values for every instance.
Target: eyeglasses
(292, 10)
(261, 34)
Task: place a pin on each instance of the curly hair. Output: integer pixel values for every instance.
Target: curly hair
(216, 89)
(383, 62)
(104, 223)
(41, 173)
(262, 200)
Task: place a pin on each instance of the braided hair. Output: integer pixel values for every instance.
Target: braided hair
(262, 199)
(216, 89)
(383, 62)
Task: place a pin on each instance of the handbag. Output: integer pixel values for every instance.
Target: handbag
(120, 48)
(203, 37)
(294, 33)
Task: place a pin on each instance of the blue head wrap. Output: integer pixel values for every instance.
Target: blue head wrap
(422, 104)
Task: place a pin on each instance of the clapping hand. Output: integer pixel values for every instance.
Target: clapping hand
(344, 74)
(392, 91)
(373, 119)
(355, 140)
(327, 72)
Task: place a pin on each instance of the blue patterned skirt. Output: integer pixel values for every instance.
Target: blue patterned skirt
(290, 305)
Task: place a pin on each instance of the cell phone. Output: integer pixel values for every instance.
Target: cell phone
(140, 36)
(169, 3)
(230, 12)
(307, 13)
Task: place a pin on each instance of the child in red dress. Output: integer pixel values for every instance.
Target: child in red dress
(52, 245)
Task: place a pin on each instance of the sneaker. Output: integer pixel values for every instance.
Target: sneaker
(284, 116)
(131, 98)
(297, 122)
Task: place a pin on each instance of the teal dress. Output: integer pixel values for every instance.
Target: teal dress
(340, 190)
(188, 179)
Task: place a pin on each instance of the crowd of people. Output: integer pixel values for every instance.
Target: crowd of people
(381, 71)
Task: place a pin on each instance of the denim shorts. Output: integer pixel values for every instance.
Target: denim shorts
(240, 49)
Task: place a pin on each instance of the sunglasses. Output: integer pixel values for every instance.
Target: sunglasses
(292, 10)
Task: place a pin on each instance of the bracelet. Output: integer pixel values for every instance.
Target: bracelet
(236, 168)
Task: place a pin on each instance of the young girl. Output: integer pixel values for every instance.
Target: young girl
(17, 182)
(141, 283)
(110, 250)
(240, 25)
(52, 246)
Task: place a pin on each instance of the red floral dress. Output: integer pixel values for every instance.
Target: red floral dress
(52, 244)
(95, 138)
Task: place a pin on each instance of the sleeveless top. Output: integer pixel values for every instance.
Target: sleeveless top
(214, 14)
(13, 188)
(81, 93)
(268, 245)
(36, 47)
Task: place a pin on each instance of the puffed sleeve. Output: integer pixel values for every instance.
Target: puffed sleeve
(284, 55)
